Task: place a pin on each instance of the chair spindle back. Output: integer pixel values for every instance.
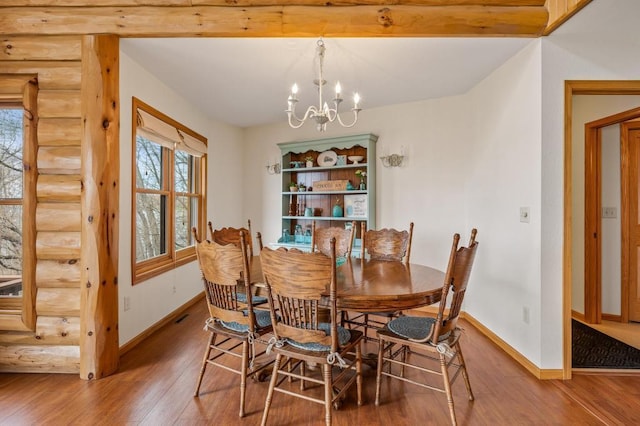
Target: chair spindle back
(456, 280)
(296, 284)
(222, 266)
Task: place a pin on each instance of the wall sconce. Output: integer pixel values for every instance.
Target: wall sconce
(393, 160)
(273, 169)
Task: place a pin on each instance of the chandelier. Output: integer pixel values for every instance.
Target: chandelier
(322, 114)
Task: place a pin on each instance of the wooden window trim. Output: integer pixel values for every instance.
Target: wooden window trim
(146, 269)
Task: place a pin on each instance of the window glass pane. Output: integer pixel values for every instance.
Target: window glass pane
(11, 153)
(186, 218)
(184, 172)
(148, 164)
(10, 239)
(151, 234)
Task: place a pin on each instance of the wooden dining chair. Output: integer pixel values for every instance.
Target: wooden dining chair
(384, 244)
(321, 237)
(435, 340)
(234, 325)
(297, 283)
(230, 235)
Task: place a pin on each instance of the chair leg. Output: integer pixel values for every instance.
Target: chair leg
(272, 385)
(447, 387)
(243, 375)
(303, 372)
(344, 318)
(365, 326)
(204, 363)
(328, 392)
(359, 373)
(403, 358)
(379, 368)
(465, 376)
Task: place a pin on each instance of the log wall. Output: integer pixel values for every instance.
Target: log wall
(52, 344)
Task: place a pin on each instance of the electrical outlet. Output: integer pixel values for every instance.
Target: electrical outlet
(127, 303)
(174, 289)
(525, 314)
(524, 214)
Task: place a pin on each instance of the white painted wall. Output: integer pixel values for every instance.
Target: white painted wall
(505, 175)
(153, 299)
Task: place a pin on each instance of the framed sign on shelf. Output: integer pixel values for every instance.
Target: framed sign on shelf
(355, 206)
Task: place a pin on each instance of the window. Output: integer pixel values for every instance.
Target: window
(169, 166)
(11, 187)
(18, 176)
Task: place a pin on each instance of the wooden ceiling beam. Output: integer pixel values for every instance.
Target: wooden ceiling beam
(560, 11)
(246, 3)
(278, 21)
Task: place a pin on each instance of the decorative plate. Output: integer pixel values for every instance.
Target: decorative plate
(327, 158)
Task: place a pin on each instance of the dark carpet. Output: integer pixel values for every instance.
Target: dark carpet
(593, 349)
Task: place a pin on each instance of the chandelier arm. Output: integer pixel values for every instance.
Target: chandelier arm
(332, 114)
(355, 118)
(295, 126)
(311, 111)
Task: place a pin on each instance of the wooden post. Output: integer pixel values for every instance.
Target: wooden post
(30, 103)
(99, 342)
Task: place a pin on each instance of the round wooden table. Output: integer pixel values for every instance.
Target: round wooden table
(384, 286)
(379, 286)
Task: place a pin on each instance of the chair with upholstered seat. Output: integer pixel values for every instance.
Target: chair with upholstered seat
(234, 323)
(432, 341)
(297, 282)
(388, 245)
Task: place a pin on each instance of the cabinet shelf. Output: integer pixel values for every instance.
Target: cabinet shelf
(316, 169)
(323, 218)
(353, 191)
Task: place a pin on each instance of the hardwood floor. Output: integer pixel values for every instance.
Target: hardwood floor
(156, 380)
(628, 333)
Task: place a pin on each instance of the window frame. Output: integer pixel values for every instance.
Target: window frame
(148, 268)
(19, 312)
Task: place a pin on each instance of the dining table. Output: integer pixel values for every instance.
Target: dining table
(365, 285)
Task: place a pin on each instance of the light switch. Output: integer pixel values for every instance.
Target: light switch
(524, 214)
(609, 212)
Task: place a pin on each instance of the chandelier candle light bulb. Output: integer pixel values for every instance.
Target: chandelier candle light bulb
(322, 114)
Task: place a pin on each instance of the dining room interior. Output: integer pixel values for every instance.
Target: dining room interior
(436, 133)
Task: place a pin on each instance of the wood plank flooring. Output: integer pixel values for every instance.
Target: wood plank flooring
(156, 380)
(628, 333)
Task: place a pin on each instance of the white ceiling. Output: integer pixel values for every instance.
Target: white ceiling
(246, 81)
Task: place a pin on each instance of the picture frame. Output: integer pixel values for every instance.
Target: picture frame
(342, 160)
(356, 206)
